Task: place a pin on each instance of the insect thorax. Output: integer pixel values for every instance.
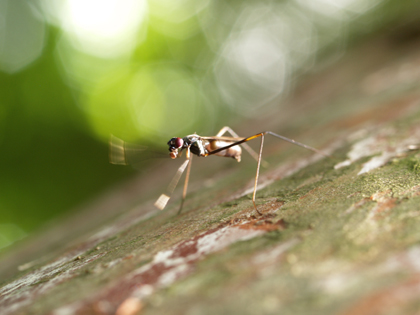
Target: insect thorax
(196, 145)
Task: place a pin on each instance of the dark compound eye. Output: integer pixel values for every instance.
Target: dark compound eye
(179, 142)
(175, 143)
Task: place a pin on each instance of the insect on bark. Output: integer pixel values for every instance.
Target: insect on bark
(227, 146)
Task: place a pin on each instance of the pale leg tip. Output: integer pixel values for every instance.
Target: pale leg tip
(162, 201)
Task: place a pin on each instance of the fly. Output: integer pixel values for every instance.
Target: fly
(226, 146)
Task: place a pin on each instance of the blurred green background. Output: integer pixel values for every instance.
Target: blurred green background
(72, 72)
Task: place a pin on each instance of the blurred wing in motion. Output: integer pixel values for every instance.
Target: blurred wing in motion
(125, 153)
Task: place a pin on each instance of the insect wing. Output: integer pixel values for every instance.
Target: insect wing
(117, 151)
(125, 153)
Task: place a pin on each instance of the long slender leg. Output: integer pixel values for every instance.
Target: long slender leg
(187, 176)
(164, 198)
(226, 129)
(270, 133)
(244, 145)
(258, 173)
(261, 134)
(297, 143)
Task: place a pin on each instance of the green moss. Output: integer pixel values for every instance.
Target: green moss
(412, 163)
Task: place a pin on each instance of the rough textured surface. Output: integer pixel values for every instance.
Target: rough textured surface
(337, 236)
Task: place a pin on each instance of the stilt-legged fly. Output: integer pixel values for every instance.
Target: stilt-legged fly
(203, 146)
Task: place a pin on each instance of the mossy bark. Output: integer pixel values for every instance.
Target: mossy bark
(337, 235)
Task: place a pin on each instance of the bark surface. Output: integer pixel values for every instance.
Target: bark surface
(336, 236)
